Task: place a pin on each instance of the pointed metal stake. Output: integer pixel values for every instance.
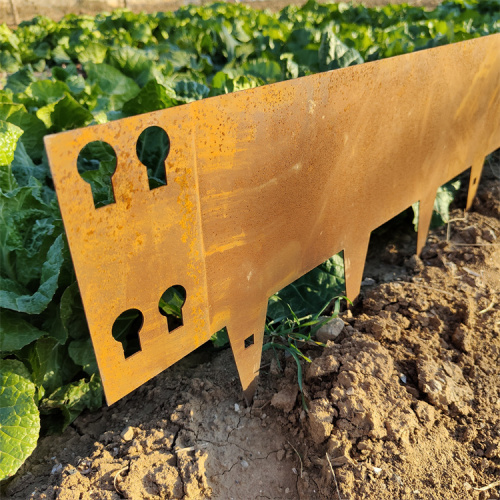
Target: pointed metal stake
(475, 175)
(246, 335)
(425, 208)
(354, 265)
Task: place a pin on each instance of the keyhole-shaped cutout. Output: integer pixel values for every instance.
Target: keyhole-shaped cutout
(96, 165)
(126, 330)
(170, 305)
(152, 150)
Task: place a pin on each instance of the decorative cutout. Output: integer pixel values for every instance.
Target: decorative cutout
(152, 150)
(170, 305)
(126, 330)
(96, 165)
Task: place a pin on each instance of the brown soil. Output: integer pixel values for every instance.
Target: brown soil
(405, 404)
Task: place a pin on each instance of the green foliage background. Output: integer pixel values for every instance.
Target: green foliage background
(84, 70)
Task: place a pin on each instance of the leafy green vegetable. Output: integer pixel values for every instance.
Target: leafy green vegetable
(191, 91)
(16, 332)
(334, 54)
(310, 293)
(19, 418)
(82, 354)
(64, 114)
(113, 87)
(50, 364)
(46, 92)
(19, 81)
(17, 298)
(71, 399)
(80, 71)
(34, 130)
(151, 97)
(9, 135)
(24, 169)
(220, 338)
(268, 71)
(72, 315)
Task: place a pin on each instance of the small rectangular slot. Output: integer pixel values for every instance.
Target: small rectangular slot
(249, 341)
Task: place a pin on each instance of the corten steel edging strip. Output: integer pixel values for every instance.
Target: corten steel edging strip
(263, 185)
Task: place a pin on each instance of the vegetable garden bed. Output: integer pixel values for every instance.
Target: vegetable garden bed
(83, 70)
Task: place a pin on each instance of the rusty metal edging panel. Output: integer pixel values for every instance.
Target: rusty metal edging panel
(263, 185)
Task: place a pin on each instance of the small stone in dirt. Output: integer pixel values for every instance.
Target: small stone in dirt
(244, 464)
(128, 433)
(285, 399)
(280, 455)
(236, 407)
(488, 235)
(57, 468)
(330, 330)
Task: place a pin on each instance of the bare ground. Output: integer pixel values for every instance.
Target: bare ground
(405, 403)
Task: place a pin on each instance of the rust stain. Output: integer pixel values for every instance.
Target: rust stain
(262, 186)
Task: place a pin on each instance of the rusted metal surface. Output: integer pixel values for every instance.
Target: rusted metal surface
(264, 185)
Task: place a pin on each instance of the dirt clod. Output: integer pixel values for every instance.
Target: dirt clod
(285, 399)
